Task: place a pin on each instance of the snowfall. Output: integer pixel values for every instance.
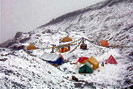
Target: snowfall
(27, 70)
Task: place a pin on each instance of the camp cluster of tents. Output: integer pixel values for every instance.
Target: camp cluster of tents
(89, 64)
(61, 49)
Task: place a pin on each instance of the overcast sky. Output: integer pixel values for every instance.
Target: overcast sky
(0, 21)
(26, 15)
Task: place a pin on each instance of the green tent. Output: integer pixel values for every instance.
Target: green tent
(85, 69)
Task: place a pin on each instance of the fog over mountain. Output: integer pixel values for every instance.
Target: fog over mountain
(0, 23)
(26, 15)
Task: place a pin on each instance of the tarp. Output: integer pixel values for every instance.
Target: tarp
(94, 62)
(111, 60)
(85, 69)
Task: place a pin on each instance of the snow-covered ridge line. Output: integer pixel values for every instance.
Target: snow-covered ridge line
(81, 11)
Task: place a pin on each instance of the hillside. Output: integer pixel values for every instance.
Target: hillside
(108, 20)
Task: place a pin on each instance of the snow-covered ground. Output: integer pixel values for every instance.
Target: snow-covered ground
(22, 70)
(26, 69)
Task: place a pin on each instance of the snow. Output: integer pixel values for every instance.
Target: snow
(36, 70)
(29, 14)
(105, 56)
(107, 75)
(29, 70)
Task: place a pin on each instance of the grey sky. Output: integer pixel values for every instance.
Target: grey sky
(0, 21)
(26, 15)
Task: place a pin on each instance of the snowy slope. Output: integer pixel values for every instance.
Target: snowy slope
(24, 71)
(110, 20)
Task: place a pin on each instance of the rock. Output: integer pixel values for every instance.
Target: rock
(17, 47)
(75, 78)
(8, 43)
(49, 72)
(8, 72)
(4, 59)
(78, 85)
(18, 34)
(130, 68)
(65, 69)
(24, 40)
(131, 54)
(102, 64)
(47, 31)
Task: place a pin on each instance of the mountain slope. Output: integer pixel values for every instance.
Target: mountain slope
(109, 20)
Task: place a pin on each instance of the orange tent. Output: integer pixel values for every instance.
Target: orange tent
(66, 39)
(94, 62)
(104, 43)
(31, 47)
(64, 49)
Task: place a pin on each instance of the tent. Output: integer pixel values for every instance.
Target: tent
(49, 56)
(111, 60)
(85, 69)
(104, 43)
(94, 62)
(66, 39)
(83, 46)
(53, 58)
(82, 60)
(31, 47)
(59, 61)
(64, 49)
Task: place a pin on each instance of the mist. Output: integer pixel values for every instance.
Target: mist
(26, 15)
(0, 22)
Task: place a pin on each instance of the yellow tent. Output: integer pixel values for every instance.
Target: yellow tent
(94, 62)
(31, 47)
(66, 39)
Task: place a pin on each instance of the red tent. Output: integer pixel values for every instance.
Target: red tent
(111, 60)
(82, 59)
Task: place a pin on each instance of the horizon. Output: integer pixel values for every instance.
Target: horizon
(27, 15)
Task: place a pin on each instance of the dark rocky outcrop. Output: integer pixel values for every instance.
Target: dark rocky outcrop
(24, 40)
(4, 59)
(18, 34)
(8, 43)
(131, 54)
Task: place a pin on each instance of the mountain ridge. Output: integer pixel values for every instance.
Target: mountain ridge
(67, 16)
(81, 11)
(21, 68)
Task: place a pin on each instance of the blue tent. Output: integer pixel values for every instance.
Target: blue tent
(59, 61)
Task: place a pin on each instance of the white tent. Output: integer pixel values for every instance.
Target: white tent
(49, 56)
